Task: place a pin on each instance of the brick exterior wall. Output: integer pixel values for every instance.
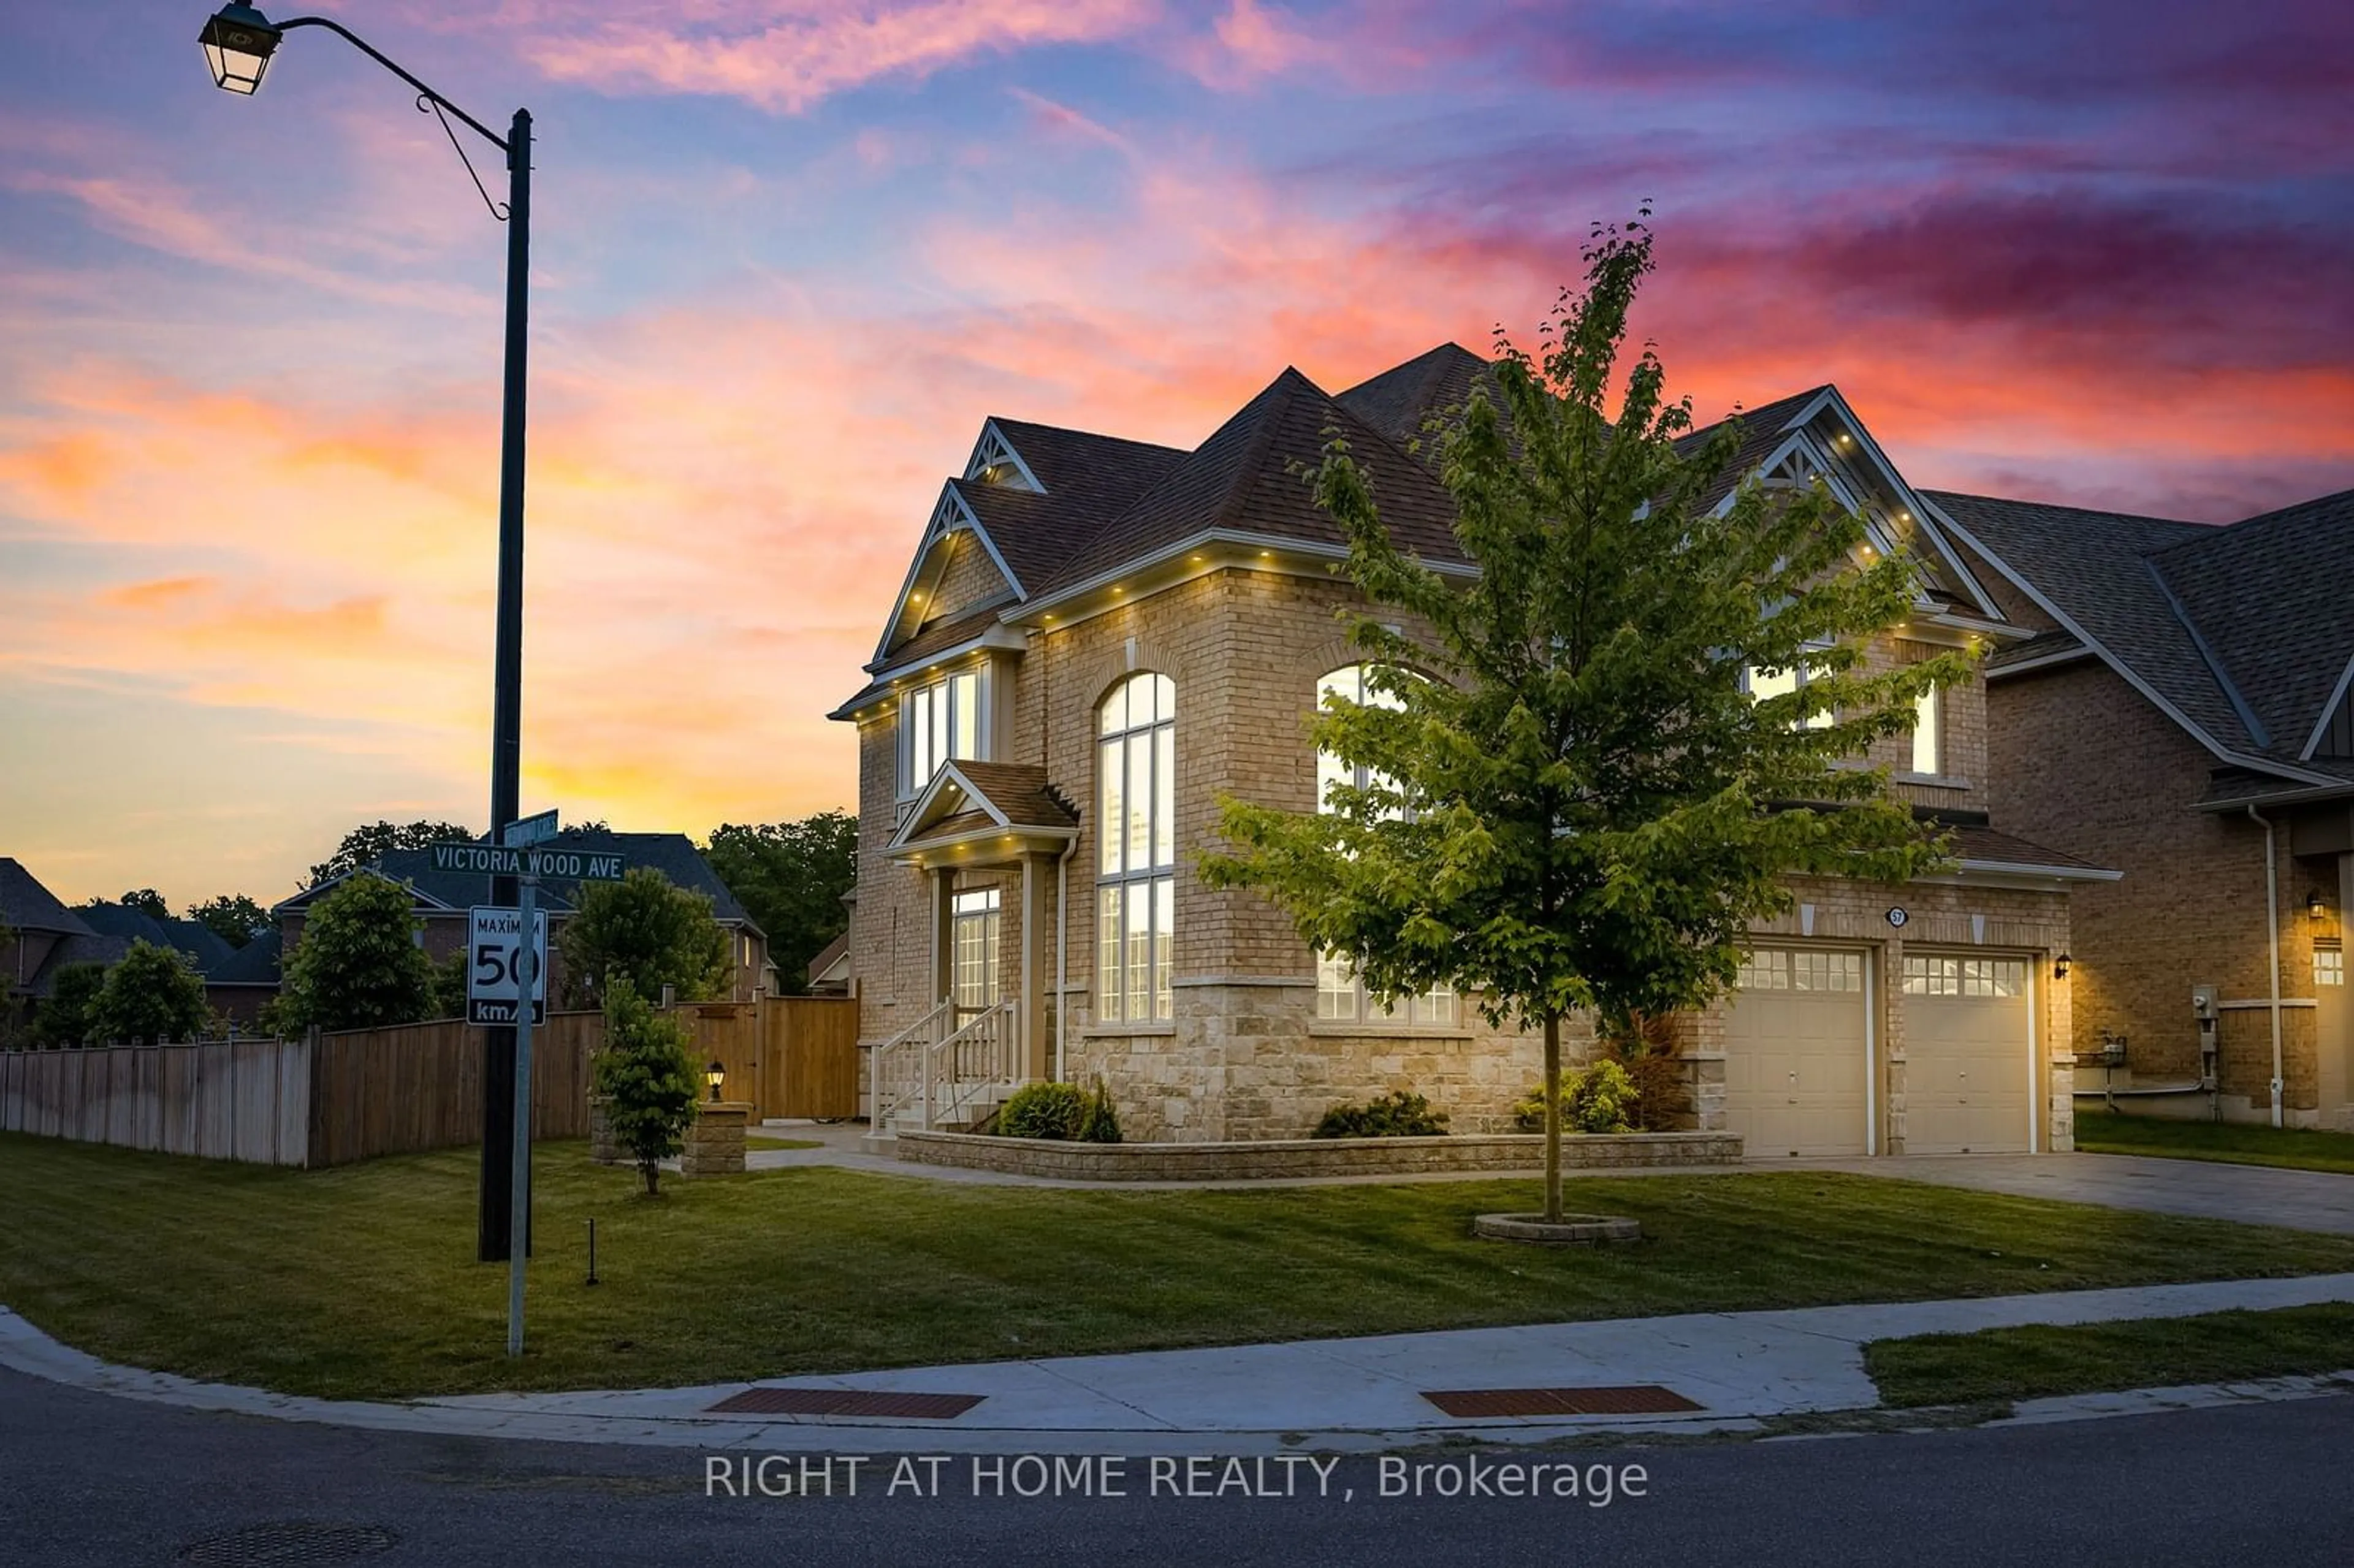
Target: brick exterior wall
(2081, 760)
(1245, 1056)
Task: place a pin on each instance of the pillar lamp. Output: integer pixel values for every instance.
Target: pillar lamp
(714, 1074)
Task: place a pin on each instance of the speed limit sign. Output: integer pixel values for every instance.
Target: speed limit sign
(497, 967)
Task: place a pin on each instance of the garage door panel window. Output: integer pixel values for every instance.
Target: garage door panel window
(1928, 975)
(1798, 969)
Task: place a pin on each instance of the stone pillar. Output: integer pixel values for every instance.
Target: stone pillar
(714, 1141)
(602, 1148)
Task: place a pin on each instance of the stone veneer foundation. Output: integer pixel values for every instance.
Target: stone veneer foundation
(1260, 1159)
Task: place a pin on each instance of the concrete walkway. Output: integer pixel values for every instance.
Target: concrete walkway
(2205, 1189)
(1333, 1395)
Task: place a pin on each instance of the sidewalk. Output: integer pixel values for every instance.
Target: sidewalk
(1329, 1395)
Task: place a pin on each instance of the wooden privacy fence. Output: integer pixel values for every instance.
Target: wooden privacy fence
(331, 1099)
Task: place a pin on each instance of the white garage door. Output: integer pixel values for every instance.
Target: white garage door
(1970, 1054)
(1798, 1054)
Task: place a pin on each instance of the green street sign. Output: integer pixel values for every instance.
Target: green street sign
(500, 860)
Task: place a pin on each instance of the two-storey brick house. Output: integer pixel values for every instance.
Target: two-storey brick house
(2185, 711)
(1097, 637)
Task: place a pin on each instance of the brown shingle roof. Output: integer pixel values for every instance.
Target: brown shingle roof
(1242, 479)
(1023, 791)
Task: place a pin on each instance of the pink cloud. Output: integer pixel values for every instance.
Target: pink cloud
(788, 56)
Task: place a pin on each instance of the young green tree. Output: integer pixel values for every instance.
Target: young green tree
(65, 1016)
(151, 994)
(367, 844)
(789, 877)
(1582, 808)
(648, 1078)
(647, 929)
(234, 918)
(447, 997)
(357, 964)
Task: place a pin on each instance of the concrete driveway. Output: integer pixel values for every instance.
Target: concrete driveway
(2252, 1194)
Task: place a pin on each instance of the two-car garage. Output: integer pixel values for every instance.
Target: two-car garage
(1800, 1049)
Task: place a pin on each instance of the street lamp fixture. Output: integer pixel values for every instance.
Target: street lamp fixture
(239, 41)
(714, 1074)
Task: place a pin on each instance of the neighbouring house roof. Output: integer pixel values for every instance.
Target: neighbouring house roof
(27, 906)
(198, 942)
(256, 963)
(2239, 633)
(440, 892)
(832, 955)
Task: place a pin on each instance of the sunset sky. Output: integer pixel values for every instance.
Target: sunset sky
(790, 253)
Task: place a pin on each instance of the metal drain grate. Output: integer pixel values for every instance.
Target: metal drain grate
(1644, 1400)
(291, 1543)
(846, 1401)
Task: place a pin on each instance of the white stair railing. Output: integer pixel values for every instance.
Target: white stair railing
(968, 1064)
(901, 1065)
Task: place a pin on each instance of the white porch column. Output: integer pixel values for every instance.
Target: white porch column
(1032, 1011)
(943, 937)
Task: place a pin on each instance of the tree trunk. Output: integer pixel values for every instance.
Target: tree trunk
(652, 1170)
(1552, 1119)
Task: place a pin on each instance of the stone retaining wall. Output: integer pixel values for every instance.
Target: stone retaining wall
(1312, 1156)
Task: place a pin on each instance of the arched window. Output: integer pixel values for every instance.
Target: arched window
(1136, 865)
(1339, 993)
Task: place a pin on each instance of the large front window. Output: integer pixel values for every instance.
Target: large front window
(1341, 996)
(1136, 824)
(1928, 734)
(939, 722)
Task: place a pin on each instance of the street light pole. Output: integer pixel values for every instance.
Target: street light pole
(238, 42)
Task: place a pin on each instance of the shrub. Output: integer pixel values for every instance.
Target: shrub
(357, 964)
(649, 1079)
(1044, 1111)
(1100, 1122)
(649, 929)
(1064, 1113)
(65, 1016)
(1398, 1115)
(151, 994)
(1598, 1097)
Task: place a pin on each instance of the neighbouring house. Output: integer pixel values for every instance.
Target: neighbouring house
(2185, 711)
(829, 973)
(238, 980)
(444, 901)
(38, 936)
(1097, 632)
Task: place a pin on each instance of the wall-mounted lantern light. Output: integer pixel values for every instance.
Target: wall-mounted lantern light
(2060, 967)
(2317, 908)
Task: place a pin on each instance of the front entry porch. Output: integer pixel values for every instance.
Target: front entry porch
(988, 838)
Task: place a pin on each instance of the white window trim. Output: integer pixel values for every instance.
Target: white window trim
(1801, 676)
(940, 689)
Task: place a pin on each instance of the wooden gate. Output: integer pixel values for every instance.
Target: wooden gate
(809, 1050)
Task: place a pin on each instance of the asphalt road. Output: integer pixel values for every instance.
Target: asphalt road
(87, 1480)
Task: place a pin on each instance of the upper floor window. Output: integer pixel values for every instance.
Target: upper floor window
(1339, 994)
(1761, 683)
(1929, 732)
(941, 722)
(1136, 826)
(1349, 683)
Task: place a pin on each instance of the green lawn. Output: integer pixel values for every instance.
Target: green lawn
(2041, 1360)
(2103, 1132)
(360, 1281)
